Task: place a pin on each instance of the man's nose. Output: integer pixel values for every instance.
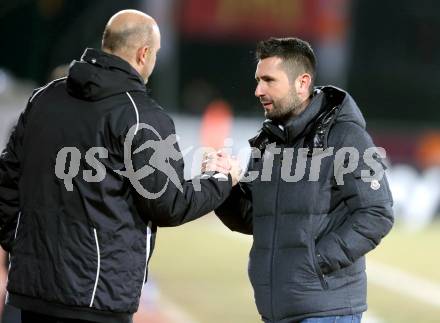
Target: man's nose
(259, 91)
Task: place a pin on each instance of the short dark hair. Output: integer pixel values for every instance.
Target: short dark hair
(296, 53)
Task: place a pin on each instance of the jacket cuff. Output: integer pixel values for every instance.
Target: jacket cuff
(219, 176)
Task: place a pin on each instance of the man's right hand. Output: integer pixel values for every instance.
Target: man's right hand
(223, 163)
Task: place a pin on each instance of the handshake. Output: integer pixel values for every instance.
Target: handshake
(223, 163)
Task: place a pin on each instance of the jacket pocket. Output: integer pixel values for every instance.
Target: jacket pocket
(18, 234)
(316, 266)
(16, 228)
(258, 266)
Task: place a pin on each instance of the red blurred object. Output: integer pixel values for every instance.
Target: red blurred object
(257, 19)
(428, 152)
(216, 124)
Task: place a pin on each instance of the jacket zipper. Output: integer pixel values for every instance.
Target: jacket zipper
(275, 235)
(321, 276)
(323, 281)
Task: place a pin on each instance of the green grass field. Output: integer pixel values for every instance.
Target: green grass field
(202, 267)
(416, 253)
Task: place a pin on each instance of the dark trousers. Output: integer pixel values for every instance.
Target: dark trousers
(32, 317)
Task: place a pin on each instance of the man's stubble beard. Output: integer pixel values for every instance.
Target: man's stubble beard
(285, 109)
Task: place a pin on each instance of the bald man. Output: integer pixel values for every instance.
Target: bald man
(134, 37)
(80, 201)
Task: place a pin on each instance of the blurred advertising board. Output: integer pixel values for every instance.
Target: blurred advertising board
(256, 19)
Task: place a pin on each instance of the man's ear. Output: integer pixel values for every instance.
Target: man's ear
(141, 55)
(302, 84)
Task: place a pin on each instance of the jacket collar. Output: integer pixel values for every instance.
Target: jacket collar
(109, 61)
(296, 126)
(293, 127)
(99, 75)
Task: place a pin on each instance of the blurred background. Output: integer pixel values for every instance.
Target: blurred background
(385, 53)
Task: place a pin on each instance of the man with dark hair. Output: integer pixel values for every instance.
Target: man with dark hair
(90, 172)
(297, 55)
(310, 233)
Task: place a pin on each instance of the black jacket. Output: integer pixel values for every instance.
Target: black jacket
(80, 246)
(311, 234)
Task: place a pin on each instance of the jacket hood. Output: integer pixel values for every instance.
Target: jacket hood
(99, 75)
(349, 111)
(324, 99)
(327, 106)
